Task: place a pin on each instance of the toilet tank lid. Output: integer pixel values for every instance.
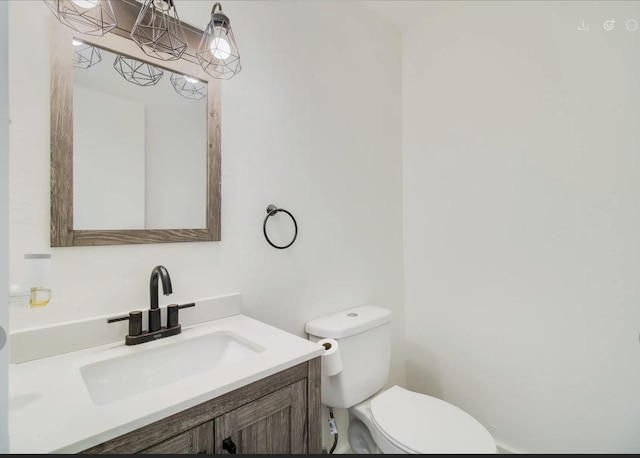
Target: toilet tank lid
(348, 322)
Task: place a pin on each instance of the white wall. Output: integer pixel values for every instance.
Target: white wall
(311, 124)
(522, 198)
(4, 224)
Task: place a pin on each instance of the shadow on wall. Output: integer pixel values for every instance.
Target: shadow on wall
(421, 372)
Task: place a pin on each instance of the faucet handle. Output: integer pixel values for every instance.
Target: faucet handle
(172, 313)
(135, 322)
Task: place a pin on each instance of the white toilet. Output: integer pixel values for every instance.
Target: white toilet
(394, 420)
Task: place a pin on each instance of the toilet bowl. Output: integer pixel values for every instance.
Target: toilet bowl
(402, 421)
(393, 420)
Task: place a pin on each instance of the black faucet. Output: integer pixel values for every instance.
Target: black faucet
(156, 331)
(154, 311)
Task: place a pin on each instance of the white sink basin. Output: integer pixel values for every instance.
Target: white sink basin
(142, 370)
(75, 400)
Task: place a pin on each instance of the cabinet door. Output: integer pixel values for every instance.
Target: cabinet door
(275, 423)
(195, 440)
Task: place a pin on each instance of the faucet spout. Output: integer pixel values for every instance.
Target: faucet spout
(162, 273)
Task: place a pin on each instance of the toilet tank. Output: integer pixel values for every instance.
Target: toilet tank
(364, 341)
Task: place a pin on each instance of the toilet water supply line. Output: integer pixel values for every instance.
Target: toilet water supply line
(334, 430)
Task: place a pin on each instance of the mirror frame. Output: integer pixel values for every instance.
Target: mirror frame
(119, 42)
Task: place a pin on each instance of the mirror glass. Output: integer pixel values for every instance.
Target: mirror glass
(139, 150)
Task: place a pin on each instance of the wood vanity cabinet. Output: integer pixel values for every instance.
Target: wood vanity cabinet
(277, 414)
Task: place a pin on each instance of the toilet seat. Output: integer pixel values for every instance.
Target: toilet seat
(418, 423)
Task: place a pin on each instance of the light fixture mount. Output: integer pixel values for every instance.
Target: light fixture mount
(219, 18)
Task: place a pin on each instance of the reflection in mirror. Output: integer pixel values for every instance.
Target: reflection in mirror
(139, 146)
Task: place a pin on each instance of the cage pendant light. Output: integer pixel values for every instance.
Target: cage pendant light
(84, 55)
(218, 53)
(158, 31)
(136, 72)
(188, 86)
(91, 17)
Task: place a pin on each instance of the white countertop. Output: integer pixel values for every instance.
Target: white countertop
(50, 410)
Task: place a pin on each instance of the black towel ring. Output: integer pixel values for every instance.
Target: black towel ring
(272, 210)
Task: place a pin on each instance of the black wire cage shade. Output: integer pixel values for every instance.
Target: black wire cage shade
(188, 86)
(158, 30)
(91, 17)
(85, 55)
(218, 53)
(137, 72)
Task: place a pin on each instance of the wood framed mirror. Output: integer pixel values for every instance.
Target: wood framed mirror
(105, 189)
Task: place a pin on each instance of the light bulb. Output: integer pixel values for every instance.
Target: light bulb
(191, 79)
(162, 5)
(220, 48)
(76, 42)
(86, 4)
